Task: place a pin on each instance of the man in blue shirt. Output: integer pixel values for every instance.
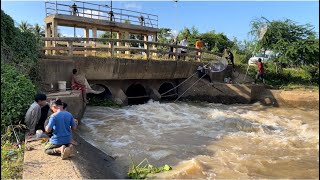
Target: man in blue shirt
(60, 123)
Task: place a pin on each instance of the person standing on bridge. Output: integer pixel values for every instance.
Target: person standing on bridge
(199, 46)
(74, 9)
(184, 42)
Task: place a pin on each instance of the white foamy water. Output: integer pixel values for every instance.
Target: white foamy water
(209, 140)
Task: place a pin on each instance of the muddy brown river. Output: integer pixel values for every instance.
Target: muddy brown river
(209, 141)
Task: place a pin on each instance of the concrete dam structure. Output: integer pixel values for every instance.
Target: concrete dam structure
(125, 81)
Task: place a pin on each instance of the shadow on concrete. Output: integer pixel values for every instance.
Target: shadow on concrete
(93, 163)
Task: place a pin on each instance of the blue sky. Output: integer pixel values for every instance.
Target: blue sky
(229, 17)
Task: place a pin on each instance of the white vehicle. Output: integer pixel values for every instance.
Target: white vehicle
(268, 55)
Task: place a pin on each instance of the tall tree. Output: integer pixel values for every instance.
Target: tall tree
(38, 30)
(25, 26)
(295, 44)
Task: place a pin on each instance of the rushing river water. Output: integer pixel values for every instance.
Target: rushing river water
(209, 140)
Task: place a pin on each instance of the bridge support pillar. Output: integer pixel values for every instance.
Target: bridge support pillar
(127, 45)
(94, 35)
(118, 43)
(119, 96)
(54, 27)
(154, 39)
(48, 34)
(86, 35)
(155, 95)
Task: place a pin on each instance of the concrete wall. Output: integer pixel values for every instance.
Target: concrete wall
(217, 93)
(74, 100)
(120, 69)
(56, 69)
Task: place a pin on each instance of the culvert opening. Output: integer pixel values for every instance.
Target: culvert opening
(137, 94)
(167, 92)
(106, 94)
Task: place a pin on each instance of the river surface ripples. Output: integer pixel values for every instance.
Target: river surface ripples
(210, 141)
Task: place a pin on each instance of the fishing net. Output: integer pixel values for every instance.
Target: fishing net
(262, 31)
(219, 66)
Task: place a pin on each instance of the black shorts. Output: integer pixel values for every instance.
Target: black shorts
(260, 76)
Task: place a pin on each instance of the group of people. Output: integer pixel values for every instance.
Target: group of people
(58, 126)
(183, 51)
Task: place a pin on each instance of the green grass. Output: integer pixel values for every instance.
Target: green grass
(144, 169)
(11, 155)
(285, 78)
(11, 161)
(102, 102)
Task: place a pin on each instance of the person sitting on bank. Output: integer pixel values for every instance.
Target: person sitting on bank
(261, 70)
(59, 124)
(33, 114)
(44, 115)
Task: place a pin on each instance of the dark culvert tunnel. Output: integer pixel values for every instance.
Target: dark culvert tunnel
(164, 88)
(137, 94)
(104, 96)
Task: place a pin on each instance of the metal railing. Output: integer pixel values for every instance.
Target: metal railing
(130, 48)
(101, 12)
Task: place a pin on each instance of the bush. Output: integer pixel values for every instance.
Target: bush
(19, 49)
(17, 92)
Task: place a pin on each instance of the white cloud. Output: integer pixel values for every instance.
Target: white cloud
(93, 14)
(174, 32)
(132, 6)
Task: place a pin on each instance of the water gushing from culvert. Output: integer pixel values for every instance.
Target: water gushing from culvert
(209, 140)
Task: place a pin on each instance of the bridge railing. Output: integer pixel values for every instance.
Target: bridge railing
(101, 12)
(125, 48)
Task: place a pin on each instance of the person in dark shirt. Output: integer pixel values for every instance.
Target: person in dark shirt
(230, 57)
(74, 9)
(43, 117)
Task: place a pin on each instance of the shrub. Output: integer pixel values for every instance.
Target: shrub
(17, 92)
(19, 49)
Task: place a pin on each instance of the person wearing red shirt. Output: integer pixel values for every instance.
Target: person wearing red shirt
(260, 74)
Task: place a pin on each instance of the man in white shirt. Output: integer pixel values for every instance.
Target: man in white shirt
(184, 42)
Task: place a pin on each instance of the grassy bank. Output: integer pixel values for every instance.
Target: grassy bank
(304, 78)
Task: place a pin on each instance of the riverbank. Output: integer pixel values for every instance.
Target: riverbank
(87, 162)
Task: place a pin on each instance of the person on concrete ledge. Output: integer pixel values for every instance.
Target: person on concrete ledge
(78, 83)
(230, 57)
(59, 124)
(34, 113)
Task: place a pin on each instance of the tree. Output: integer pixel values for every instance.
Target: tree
(216, 41)
(295, 44)
(38, 30)
(164, 35)
(24, 26)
